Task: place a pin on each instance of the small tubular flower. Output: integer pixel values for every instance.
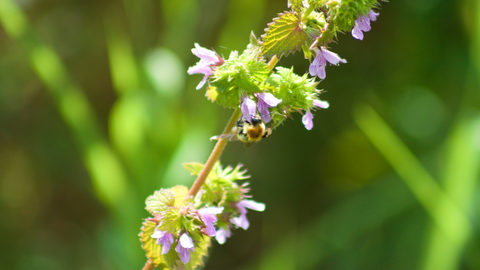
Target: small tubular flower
(249, 108)
(307, 119)
(317, 67)
(164, 238)
(266, 100)
(362, 24)
(242, 220)
(321, 104)
(208, 59)
(208, 216)
(184, 246)
(222, 235)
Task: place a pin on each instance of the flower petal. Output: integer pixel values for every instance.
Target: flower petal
(204, 54)
(167, 242)
(321, 104)
(269, 99)
(249, 108)
(222, 236)
(357, 33)
(241, 221)
(186, 241)
(263, 109)
(372, 15)
(252, 205)
(211, 210)
(307, 120)
(332, 57)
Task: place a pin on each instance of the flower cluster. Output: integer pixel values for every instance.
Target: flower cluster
(182, 226)
(362, 23)
(272, 95)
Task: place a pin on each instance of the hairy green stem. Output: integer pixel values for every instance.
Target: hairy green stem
(215, 155)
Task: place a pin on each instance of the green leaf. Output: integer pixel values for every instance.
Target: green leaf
(161, 200)
(180, 194)
(284, 35)
(149, 244)
(194, 167)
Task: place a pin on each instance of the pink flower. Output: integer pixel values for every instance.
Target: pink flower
(208, 216)
(208, 59)
(307, 119)
(242, 220)
(317, 67)
(362, 23)
(184, 246)
(266, 100)
(164, 238)
(222, 235)
(249, 108)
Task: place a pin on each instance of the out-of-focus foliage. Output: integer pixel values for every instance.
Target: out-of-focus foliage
(96, 112)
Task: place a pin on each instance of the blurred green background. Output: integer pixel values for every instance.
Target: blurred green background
(97, 112)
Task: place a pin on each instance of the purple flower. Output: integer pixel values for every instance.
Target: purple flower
(249, 108)
(317, 67)
(242, 220)
(321, 104)
(307, 119)
(222, 235)
(164, 238)
(208, 216)
(362, 23)
(208, 59)
(184, 246)
(266, 100)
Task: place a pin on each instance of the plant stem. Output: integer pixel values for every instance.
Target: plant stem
(307, 12)
(149, 265)
(272, 62)
(215, 155)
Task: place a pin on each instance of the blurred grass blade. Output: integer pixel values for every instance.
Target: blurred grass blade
(123, 64)
(460, 178)
(446, 213)
(102, 164)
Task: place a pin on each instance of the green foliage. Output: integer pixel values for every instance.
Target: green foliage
(296, 6)
(161, 200)
(296, 29)
(171, 260)
(296, 92)
(284, 35)
(237, 77)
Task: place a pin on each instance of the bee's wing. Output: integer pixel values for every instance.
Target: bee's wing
(228, 136)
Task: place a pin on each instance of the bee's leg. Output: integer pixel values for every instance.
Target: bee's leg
(267, 133)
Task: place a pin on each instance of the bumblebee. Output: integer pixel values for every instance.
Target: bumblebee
(248, 131)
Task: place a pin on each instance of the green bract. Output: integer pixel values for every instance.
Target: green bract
(239, 76)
